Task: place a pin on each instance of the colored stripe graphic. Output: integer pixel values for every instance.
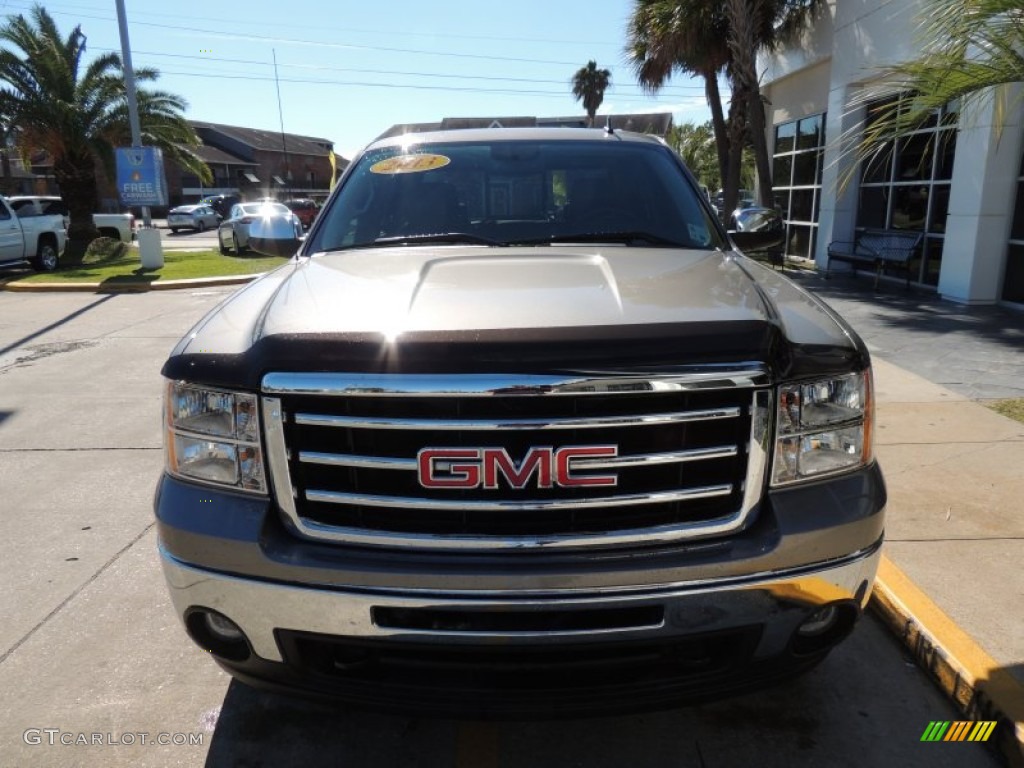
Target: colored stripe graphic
(959, 730)
(935, 730)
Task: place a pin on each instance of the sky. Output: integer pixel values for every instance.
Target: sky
(350, 70)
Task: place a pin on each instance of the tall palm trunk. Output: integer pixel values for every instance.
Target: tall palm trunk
(714, 98)
(76, 178)
(737, 135)
(743, 45)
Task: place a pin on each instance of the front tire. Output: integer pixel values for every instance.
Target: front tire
(201, 226)
(46, 257)
(174, 230)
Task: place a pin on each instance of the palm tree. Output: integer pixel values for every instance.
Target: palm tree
(664, 36)
(709, 38)
(589, 84)
(970, 47)
(78, 114)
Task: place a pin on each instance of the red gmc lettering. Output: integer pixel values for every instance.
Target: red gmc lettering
(451, 474)
(473, 467)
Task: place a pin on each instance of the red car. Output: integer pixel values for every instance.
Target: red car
(306, 210)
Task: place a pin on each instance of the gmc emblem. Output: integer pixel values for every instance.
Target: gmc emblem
(481, 467)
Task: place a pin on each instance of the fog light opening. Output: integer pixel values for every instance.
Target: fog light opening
(217, 634)
(821, 621)
(824, 627)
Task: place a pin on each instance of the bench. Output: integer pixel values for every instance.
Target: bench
(878, 248)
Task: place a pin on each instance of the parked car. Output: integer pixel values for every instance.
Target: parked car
(120, 226)
(479, 451)
(221, 204)
(37, 239)
(306, 210)
(197, 217)
(233, 232)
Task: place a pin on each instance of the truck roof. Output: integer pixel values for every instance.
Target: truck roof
(515, 134)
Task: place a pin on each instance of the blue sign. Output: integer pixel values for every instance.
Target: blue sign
(140, 176)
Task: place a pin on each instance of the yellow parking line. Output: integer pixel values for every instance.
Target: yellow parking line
(965, 672)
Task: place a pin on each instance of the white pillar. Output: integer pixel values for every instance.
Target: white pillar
(837, 210)
(981, 202)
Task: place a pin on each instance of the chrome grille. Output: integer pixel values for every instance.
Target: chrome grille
(690, 456)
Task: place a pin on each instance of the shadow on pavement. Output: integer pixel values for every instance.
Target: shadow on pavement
(917, 310)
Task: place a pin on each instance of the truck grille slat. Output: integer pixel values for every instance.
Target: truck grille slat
(682, 460)
(411, 465)
(335, 497)
(349, 422)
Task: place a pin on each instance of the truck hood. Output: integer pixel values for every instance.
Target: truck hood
(398, 290)
(534, 308)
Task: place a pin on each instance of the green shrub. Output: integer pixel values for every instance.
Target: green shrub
(103, 250)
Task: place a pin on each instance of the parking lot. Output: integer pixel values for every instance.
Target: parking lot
(89, 644)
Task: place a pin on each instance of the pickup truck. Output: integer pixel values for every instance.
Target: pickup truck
(120, 226)
(518, 430)
(39, 240)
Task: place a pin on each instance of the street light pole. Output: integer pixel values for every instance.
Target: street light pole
(129, 87)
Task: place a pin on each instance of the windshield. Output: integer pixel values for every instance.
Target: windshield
(509, 192)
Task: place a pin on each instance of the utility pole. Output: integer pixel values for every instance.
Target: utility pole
(129, 87)
(150, 251)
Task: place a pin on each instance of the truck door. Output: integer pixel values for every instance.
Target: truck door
(12, 242)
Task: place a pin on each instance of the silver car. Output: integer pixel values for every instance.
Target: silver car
(196, 217)
(233, 232)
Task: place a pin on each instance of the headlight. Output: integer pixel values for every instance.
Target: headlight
(823, 427)
(212, 435)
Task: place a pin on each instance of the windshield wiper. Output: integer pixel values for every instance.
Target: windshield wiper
(438, 237)
(627, 237)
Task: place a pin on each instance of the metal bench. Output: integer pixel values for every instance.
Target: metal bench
(879, 248)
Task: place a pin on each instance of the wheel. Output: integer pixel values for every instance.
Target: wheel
(238, 249)
(201, 226)
(225, 251)
(46, 257)
(174, 230)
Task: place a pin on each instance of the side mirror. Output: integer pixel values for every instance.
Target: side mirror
(757, 229)
(274, 236)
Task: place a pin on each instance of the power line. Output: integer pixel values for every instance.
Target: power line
(667, 90)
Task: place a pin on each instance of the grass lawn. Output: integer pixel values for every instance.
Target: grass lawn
(178, 265)
(1012, 408)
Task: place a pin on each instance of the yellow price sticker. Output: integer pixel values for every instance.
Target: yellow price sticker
(410, 164)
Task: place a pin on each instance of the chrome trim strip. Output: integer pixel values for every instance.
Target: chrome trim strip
(762, 414)
(277, 458)
(626, 500)
(489, 385)
(411, 465)
(640, 420)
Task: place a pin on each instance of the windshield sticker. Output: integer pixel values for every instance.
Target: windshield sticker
(410, 164)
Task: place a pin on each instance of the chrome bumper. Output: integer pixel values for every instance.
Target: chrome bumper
(260, 607)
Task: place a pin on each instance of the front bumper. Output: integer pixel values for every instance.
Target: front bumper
(583, 653)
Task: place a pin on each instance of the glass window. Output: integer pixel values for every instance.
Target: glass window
(796, 179)
(785, 135)
(905, 185)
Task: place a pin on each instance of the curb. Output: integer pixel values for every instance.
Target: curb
(970, 678)
(167, 285)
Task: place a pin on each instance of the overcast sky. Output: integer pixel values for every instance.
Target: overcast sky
(349, 70)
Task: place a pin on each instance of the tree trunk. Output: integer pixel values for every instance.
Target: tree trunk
(742, 23)
(5, 160)
(76, 177)
(731, 181)
(714, 98)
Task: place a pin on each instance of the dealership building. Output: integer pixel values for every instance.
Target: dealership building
(959, 180)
